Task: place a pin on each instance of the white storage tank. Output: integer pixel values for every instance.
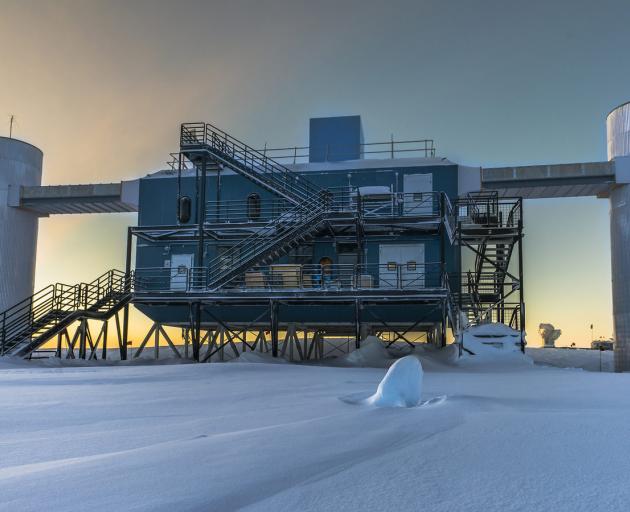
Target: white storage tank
(618, 140)
(618, 131)
(20, 165)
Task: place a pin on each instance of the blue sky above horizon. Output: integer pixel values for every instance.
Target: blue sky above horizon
(101, 87)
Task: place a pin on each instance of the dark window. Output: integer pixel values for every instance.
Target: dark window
(253, 207)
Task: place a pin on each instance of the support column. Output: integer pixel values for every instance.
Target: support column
(444, 324)
(357, 324)
(196, 337)
(274, 328)
(125, 327)
(620, 261)
(521, 291)
(201, 212)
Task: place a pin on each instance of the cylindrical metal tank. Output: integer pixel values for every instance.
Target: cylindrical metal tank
(620, 264)
(20, 165)
(618, 131)
(618, 141)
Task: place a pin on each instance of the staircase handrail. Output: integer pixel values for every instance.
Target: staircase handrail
(294, 218)
(58, 298)
(449, 216)
(205, 134)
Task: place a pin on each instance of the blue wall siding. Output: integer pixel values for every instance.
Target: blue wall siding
(158, 206)
(333, 139)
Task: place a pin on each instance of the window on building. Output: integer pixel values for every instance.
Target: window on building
(253, 206)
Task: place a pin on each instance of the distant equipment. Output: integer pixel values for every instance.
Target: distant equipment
(603, 345)
(549, 334)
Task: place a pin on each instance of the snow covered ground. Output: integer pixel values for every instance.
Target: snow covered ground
(510, 435)
(574, 358)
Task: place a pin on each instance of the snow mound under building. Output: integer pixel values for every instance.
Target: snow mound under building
(257, 358)
(372, 354)
(401, 386)
(493, 342)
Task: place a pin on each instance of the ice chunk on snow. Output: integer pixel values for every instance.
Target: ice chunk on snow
(401, 386)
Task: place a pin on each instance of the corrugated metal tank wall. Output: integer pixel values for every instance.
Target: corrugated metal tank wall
(618, 131)
(20, 165)
(618, 141)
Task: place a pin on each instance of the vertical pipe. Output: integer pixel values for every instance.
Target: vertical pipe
(218, 208)
(83, 339)
(357, 324)
(196, 338)
(274, 328)
(442, 243)
(520, 279)
(128, 288)
(444, 322)
(4, 333)
(58, 351)
(201, 211)
(104, 351)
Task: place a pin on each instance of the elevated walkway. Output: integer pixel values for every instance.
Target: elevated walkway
(550, 181)
(73, 199)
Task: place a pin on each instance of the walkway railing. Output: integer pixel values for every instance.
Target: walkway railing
(489, 210)
(420, 148)
(253, 163)
(341, 200)
(295, 277)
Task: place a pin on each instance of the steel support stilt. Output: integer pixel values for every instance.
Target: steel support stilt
(274, 328)
(357, 324)
(520, 283)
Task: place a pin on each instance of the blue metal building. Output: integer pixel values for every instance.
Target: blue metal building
(359, 238)
(288, 247)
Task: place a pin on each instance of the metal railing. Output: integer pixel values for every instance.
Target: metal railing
(340, 200)
(489, 211)
(289, 226)
(53, 304)
(295, 277)
(160, 279)
(255, 164)
(338, 152)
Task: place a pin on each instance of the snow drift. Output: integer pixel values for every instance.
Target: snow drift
(372, 354)
(401, 386)
(493, 343)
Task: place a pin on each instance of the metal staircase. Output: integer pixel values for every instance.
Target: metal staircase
(490, 227)
(30, 323)
(278, 236)
(198, 140)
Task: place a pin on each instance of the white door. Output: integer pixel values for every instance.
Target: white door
(180, 270)
(401, 266)
(418, 198)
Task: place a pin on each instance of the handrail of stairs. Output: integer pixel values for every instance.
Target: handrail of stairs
(56, 302)
(208, 137)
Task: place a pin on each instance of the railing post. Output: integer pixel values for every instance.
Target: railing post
(4, 333)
